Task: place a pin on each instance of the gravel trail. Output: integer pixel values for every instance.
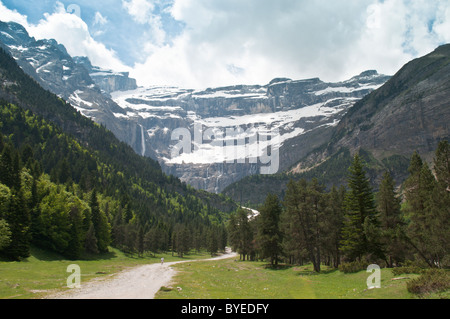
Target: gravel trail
(141, 282)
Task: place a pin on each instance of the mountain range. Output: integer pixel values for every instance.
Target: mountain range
(409, 113)
(304, 112)
(319, 124)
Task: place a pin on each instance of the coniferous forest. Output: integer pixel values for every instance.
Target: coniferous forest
(351, 227)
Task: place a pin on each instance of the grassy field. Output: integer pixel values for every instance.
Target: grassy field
(44, 272)
(253, 280)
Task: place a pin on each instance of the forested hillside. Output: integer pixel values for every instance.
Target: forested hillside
(67, 184)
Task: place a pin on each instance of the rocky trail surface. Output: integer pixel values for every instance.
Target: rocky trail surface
(141, 282)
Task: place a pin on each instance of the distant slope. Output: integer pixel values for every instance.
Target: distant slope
(411, 112)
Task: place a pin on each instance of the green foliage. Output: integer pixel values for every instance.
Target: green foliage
(269, 232)
(392, 225)
(411, 269)
(353, 266)
(427, 211)
(5, 234)
(431, 281)
(359, 233)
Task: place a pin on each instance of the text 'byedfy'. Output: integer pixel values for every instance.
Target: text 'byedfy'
(241, 308)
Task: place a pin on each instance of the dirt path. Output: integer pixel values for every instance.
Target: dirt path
(142, 282)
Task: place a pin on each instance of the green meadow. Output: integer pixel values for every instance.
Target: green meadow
(44, 273)
(255, 280)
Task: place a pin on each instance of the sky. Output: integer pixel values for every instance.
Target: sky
(211, 43)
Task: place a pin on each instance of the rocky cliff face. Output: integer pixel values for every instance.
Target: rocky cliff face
(107, 80)
(302, 113)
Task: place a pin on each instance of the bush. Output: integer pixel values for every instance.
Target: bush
(431, 281)
(354, 266)
(407, 270)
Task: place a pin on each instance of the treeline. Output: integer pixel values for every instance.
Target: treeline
(54, 159)
(353, 225)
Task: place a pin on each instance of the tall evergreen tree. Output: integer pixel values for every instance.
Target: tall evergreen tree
(442, 165)
(269, 232)
(360, 222)
(305, 206)
(441, 204)
(5, 234)
(333, 224)
(391, 221)
(7, 173)
(100, 222)
(419, 189)
(18, 219)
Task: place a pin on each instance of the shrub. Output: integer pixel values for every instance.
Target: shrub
(354, 266)
(407, 270)
(431, 281)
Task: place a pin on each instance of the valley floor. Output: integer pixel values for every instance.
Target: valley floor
(141, 282)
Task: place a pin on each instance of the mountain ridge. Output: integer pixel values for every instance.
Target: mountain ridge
(410, 112)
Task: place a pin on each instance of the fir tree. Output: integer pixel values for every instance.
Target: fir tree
(5, 234)
(90, 243)
(391, 221)
(101, 225)
(419, 188)
(360, 220)
(269, 233)
(18, 219)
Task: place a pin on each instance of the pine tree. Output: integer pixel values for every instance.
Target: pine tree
(333, 224)
(360, 222)
(441, 205)
(442, 165)
(213, 244)
(100, 222)
(90, 243)
(18, 219)
(419, 189)
(241, 233)
(140, 241)
(390, 221)
(269, 233)
(6, 167)
(75, 246)
(5, 234)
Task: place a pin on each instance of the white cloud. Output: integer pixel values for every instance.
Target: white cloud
(140, 10)
(253, 41)
(8, 15)
(71, 31)
(263, 39)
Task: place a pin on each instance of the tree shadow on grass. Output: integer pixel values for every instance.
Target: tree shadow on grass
(277, 267)
(307, 271)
